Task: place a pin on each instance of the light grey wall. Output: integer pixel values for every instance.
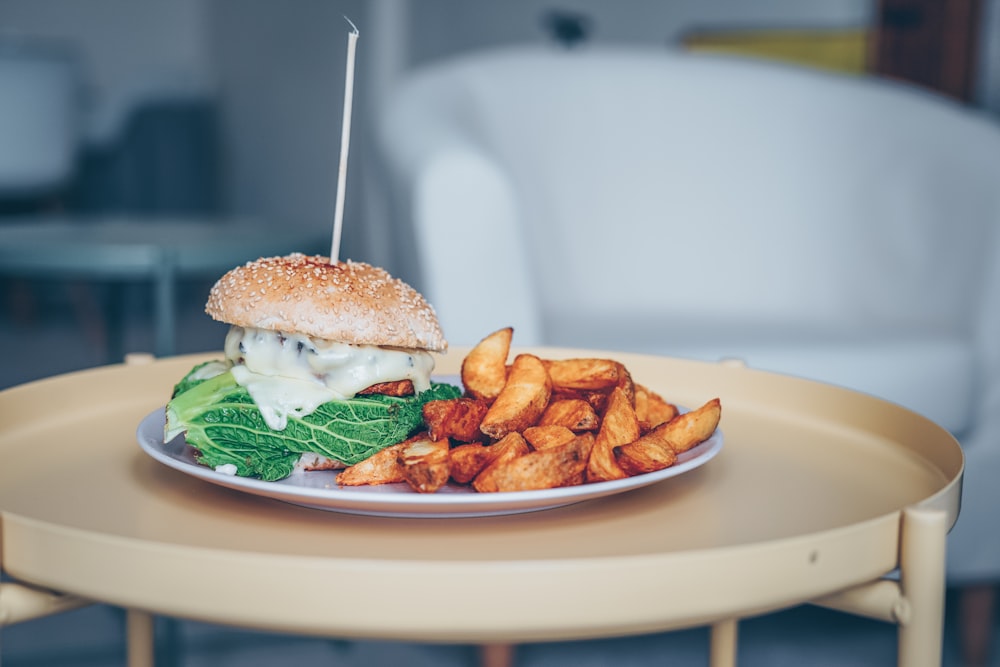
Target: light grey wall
(281, 69)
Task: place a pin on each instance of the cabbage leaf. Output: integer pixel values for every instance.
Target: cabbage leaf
(222, 422)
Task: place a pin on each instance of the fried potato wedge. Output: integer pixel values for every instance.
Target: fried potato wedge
(660, 447)
(651, 409)
(619, 426)
(584, 374)
(598, 400)
(468, 460)
(548, 436)
(692, 428)
(522, 400)
(545, 469)
(425, 464)
(626, 384)
(575, 414)
(509, 448)
(484, 369)
(382, 467)
(457, 418)
(649, 453)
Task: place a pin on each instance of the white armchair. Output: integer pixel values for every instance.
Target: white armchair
(843, 229)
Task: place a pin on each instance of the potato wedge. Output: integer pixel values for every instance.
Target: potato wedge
(468, 460)
(510, 447)
(651, 409)
(575, 414)
(484, 369)
(522, 401)
(598, 400)
(548, 436)
(457, 418)
(619, 426)
(425, 464)
(382, 467)
(692, 428)
(660, 447)
(626, 384)
(649, 453)
(584, 374)
(546, 468)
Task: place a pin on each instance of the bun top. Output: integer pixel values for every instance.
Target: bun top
(347, 302)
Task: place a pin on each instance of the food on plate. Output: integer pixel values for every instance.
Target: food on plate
(511, 446)
(619, 426)
(544, 468)
(425, 464)
(455, 418)
(326, 364)
(585, 374)
(468, 460)
(575, 414)
(522, 400)
(484, 368)
(546, 436)
(382, 467)
(549, 423)
(659, 448)
(651, 409)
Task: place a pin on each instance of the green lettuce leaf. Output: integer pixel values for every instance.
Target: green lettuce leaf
(222, 422)
(199, 374)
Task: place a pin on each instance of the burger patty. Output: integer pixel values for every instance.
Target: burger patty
(397, 388)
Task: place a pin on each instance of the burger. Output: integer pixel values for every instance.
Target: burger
(325, 363)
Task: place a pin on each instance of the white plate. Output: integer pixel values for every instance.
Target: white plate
(319, 490)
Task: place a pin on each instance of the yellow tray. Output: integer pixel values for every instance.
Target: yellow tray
(806, 499)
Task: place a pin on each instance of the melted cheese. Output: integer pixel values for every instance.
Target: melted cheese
(292, 374)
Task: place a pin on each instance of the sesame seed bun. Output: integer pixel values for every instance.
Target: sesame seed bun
(347, 302)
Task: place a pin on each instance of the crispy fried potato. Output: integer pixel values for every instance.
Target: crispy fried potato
(619, 425)
(548, 436)
(651, 409)
(382, 467)
(597, 400)
(660, 447)
(649, 453)
(546, 468)
(457, 418)
(575, 414)
(626, 384)
(484, 369)
(468, 460)
(510, 447)
(584, 374)
(692, 428)
(522, 400)
(425, 464)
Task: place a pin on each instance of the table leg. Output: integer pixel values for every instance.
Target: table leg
(922, 579)
(722, 649)
(496, 655)
(139, 635)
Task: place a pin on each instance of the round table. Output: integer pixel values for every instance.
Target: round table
(818, 494)
(162, 250)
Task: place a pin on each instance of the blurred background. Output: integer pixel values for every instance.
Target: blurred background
(231, 109)
(206, 111)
